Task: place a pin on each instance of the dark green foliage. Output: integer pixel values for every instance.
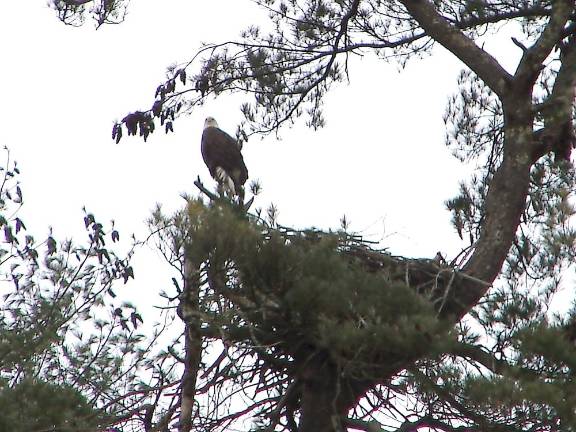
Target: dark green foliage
(296, 295)
(74, 12)
(321, 292)
(538, 390)
(33, 405)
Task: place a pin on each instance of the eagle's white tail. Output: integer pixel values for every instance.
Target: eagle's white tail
(226, 181)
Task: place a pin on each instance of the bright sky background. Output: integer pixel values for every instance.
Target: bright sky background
(381, 159)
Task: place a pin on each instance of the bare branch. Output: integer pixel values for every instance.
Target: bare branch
(199, 185)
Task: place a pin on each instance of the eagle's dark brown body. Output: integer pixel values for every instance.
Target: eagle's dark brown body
(222, 156)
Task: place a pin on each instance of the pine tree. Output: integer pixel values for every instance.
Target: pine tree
(319, 331)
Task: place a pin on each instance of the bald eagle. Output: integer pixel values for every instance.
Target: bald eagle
(222, 156)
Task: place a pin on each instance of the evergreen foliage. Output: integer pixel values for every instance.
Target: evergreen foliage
(305, 287)
(33, 405)
(278, 299)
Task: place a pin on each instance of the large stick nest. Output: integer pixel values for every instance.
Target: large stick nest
(293, 292)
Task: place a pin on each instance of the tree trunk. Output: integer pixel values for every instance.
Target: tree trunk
(193, 345)
(327, 397)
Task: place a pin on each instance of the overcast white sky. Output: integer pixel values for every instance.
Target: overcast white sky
(381, 159)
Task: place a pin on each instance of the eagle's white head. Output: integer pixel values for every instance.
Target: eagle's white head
(210, 122)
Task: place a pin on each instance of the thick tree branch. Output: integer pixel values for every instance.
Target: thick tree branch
(76, 2)
(563, 92)
(430, 423)
(368, 426)
(486, 359)
(530, 64)
(193, 343)
(505, 202)
(558, 132)
(455, 41)
(490, 362)
(536, 11)
(324, 402)
(508, 189)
